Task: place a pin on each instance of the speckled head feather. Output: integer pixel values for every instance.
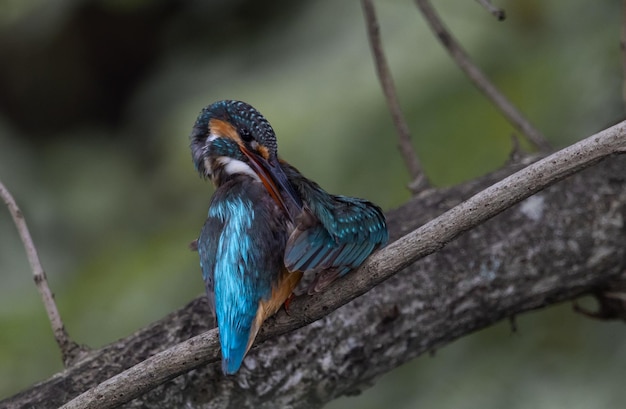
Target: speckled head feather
(249, 126)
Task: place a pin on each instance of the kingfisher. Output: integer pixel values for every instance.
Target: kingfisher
(267, 225)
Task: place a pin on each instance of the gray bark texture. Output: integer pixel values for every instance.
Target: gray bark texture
(561, 243)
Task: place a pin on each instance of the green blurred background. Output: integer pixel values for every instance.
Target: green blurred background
(97, 99)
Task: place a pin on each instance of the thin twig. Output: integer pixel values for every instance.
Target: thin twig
(479, 79)
(516, 153)
(426, 240)
(495, 11)
(69, 348)
(418, 179)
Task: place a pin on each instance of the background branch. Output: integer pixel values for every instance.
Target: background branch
(401, 253)
(495, 11)
(70, 350)
(479, 79)
(418, 178)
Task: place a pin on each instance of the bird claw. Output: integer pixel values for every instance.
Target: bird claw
(287, 303)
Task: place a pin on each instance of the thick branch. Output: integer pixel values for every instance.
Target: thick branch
(382, 265)
(442, 306)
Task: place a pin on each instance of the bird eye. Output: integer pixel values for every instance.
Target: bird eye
(246, 135)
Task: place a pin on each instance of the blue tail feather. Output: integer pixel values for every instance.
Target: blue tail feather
(235, 317)
(233, 350)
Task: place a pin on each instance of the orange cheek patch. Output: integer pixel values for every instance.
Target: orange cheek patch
(224, 129)
(263, 151)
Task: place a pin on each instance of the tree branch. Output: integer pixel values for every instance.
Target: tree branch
(401, 253)
(70, 350)
(479, 79)
(418, 178)
(495, 11)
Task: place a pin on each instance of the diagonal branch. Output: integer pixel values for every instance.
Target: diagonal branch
(69, 349)
(418, 179)
(555, 246)
(559, 244)
(426, 240)
(495, 11)
(479, 79)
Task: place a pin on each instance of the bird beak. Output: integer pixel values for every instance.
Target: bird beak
(276, 182)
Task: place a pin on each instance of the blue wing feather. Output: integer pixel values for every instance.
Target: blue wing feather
(333, 233)
(346, 242)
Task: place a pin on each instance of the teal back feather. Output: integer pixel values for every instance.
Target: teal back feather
(240, 250)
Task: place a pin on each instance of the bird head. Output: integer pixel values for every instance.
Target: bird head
(230, 138)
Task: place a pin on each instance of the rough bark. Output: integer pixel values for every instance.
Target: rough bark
(557, 245)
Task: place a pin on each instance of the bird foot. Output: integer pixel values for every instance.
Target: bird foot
(287, 303)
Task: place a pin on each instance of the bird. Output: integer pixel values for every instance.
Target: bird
(267, 226)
